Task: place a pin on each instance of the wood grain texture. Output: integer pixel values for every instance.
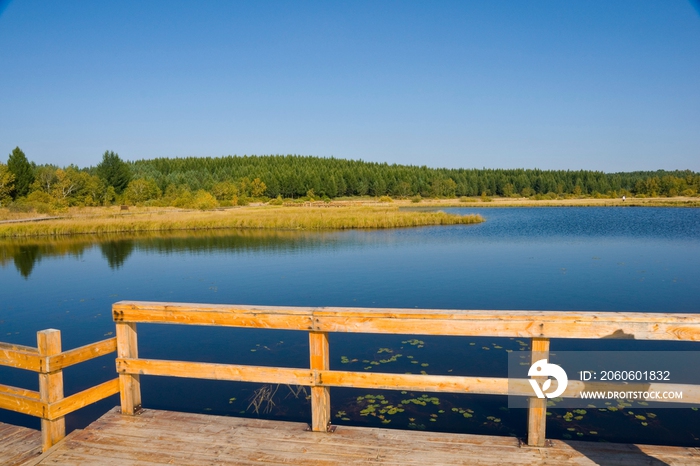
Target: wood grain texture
(129, 384)
(212, 314)
(23, 392)
(82, 399)
(529, 324)
(18, 445)
(50, 388)
(319, 355)
(202, 370)
(15, 347)
(421, 383)
(163, 437)
(21, 359)
(81, 354)
(537, 407)
(13, 401)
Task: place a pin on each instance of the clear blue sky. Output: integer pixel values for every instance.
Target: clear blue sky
(602, 85)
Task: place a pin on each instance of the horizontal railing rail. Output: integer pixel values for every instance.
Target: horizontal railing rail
(540, 326)
(49, 403)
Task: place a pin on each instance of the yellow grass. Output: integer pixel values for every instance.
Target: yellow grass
(339, 217)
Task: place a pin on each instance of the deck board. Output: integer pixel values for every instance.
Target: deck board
(18, 444)
(165, 437)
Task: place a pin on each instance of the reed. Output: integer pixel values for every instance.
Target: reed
(264, 217)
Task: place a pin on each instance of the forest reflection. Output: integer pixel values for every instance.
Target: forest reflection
(116, 249)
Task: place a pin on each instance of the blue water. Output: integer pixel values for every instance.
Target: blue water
(603, 259)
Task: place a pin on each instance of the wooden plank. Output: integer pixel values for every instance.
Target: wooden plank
(211, 314)
(81, 354)
(129, 384)
(37, 460)
(207, 433)
(82, 399)
(23, 392)
(320, 396)
(518, 315)
(50, 388)
(537, 407)
(21, 404)
(417, 382)
(18, 445)
(532, 324)
(211, 371)
(15, 347)
(20, 359)
(512, 326)
(162, 437)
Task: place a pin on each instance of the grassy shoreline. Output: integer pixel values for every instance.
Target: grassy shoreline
(98, 221)
(353, 213)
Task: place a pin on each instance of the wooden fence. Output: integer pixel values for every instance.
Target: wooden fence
(48, 361)
(540, 326)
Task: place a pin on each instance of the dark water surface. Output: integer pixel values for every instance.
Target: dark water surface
(603, 259)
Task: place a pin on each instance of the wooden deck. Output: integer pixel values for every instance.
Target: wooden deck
(18, 444)
(165, 437)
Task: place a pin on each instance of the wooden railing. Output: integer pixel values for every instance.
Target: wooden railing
(540, 326)
(48, 360)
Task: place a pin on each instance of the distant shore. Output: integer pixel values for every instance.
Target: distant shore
(322, 216)
(584, 202)
(348, 213)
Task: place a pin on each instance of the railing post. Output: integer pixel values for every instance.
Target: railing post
(129, 385)
(320, 396)
(50, 387)
(537, 411)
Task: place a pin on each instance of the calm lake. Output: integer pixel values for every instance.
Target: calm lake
(602, 259)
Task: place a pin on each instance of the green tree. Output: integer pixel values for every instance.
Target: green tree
(114, 171)
(402, 189)
(508, 189)
(19, 166)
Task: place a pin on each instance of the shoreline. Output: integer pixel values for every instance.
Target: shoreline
(526, 202)
(341, 214)
(109, 220)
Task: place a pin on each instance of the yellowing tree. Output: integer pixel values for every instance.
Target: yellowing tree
(44, 179)
(141, 191)
(204, 200)
(257, 188)
(224, 190)
(74, 187)
(66, 185)
(7, 184)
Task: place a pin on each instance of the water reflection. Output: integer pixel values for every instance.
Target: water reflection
(116, 252)
(26, 254)
(25, 258)
(116, 249)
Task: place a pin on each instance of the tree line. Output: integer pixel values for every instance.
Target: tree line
(209, 181)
